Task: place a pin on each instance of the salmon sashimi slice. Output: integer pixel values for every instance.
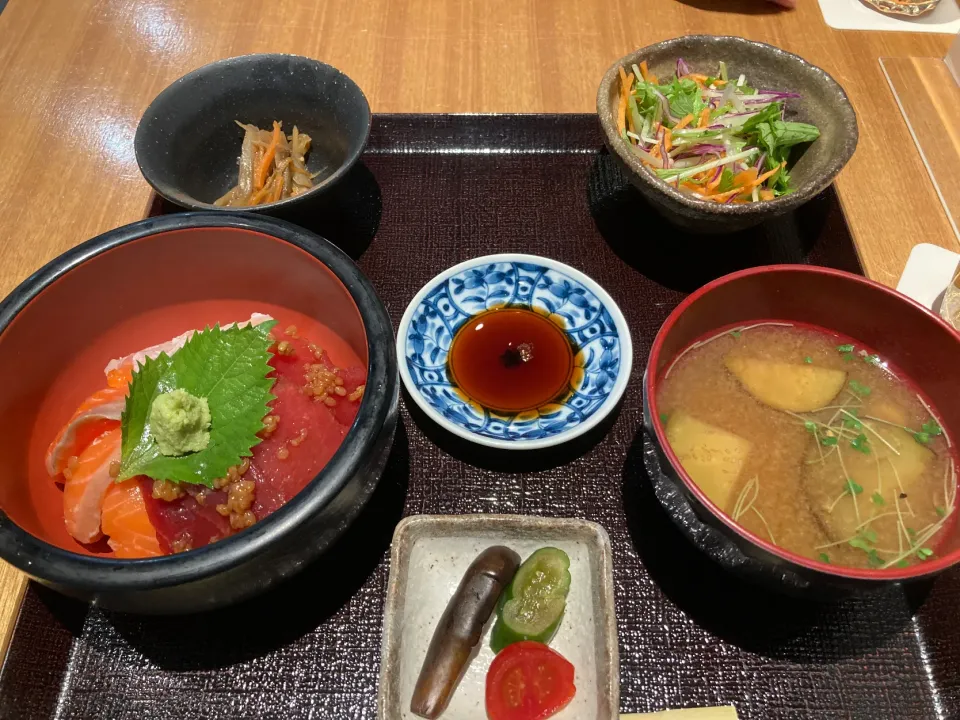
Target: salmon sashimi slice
(171, 346)
(126, 524)
(96, 415)
(86, 485)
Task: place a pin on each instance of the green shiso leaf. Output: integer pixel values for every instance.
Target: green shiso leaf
(227, 367)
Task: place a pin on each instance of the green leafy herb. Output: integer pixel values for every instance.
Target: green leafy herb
(940, 511)
(869, 535)
(848, 357)
(848, 348)
(227, 367)
(824, 558)
(853, 487)
(874, 559)
(859, 388)
(878, 499)
(872, 360)
(829, 441)
(932, 428)
(911, 532)
(924, 552)
(903, 563)
(664, 417)
(736, 333)
(861, 444)
(860, 543)
(808, 360)
(852, 422)
(810, 426)
(726, 180)
(921, 437)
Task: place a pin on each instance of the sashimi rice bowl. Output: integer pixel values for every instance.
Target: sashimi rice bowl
(190, 439)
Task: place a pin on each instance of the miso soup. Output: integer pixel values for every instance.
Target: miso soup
(810, 440)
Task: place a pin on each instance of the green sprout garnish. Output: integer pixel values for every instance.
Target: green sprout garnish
(808, 360)
(664, 417)
(736, 333)
(932, 428)
(872, 360)
(903, 563)
(878, 499)
(924, 552)
(854, 488)
(859, 388)
(861, 444)
(829, 441)
(825, 558)
(940, 511)
(848, 348)
(810, 426)
(922, 437)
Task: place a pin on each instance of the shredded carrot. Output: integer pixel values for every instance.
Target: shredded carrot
(268, 156)
(704, 118)
(683, 122)
(712, 185)
(698, 77)
(724, 196)
(624, 118)
(644, 71)
(766, 194)
(719, 83)
(767, 175)
(747, 178)
(668, 139)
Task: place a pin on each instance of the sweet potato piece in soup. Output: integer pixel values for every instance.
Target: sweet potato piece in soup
(786, 386)
(712, 456)
(885, 477)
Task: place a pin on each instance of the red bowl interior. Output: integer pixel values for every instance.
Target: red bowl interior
(912, 338)
(134, 295)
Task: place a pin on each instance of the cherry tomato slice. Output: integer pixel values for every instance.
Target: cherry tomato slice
(528, 681)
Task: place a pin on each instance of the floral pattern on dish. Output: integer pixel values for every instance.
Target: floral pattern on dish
(565, 300)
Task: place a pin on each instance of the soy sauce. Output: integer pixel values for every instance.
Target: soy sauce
(511, 359)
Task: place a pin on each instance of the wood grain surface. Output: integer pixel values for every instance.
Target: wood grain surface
(75, 76)
(930, 101)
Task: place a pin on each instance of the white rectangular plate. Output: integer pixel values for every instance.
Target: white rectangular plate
(854, 15)
(929, 269)
(430, 554)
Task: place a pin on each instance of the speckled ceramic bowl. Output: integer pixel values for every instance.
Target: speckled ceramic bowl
(823, 103)
(593, 323)
(430, 554)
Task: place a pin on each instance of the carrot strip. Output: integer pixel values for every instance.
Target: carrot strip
(622, 114)
(683, 122)
(719, 83)
(268, 156)
(721, 197)
(712, 185)
(644, 70)
(278, 193)
(767, 175)
(766, 194)
(704, 118)
(747, 178)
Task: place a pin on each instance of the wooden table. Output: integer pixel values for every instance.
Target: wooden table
(75, 76)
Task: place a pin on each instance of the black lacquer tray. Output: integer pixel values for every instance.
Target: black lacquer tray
(433, 190)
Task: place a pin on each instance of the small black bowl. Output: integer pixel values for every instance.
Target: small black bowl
(188, 142)
(100, 292)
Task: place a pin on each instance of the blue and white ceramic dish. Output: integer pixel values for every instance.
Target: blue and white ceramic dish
(589, 316)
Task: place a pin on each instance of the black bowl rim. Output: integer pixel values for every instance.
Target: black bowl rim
(798, 563)
(777, 206)
(184, 200)
(62, 567)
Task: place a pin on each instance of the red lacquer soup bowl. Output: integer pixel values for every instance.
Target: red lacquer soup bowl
(923, 348)
(146, 283)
